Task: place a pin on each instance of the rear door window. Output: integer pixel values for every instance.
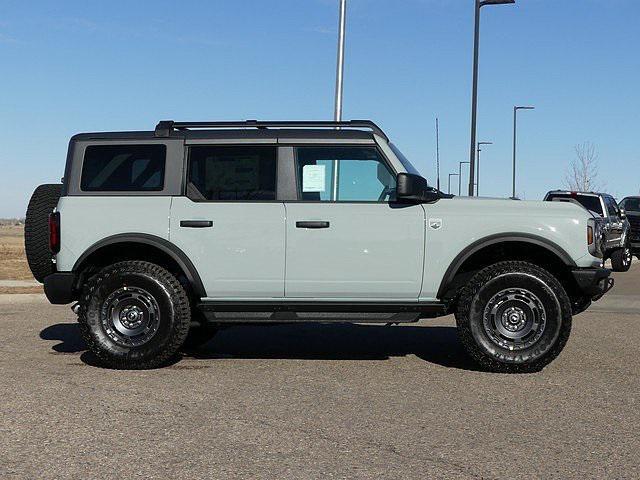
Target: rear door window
(123, 168)
(233, 173)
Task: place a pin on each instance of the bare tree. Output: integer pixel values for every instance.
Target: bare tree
(581, 176)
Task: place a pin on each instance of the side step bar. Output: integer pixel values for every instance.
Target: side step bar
(299, 311)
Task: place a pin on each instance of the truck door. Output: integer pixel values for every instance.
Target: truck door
(229, 223)
(346, 237)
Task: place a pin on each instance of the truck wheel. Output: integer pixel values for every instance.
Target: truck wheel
(199, 334)
(36, 229)
(513, 317)
(621, 259)
(134, 315)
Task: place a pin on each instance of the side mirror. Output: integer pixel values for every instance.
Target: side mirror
(623, 214)
(414, 188)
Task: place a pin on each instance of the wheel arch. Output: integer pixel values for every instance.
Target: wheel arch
(514, 245)
(141, 246)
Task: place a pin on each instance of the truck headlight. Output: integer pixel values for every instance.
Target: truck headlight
(594, 238)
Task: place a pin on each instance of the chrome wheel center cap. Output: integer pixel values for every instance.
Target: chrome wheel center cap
(131, 317)
(514, 319)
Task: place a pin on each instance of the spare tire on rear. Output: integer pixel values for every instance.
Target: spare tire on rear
(36, 229)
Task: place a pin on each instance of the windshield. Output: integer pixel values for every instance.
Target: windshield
(589, 202)
(631, 204)
(408, 166)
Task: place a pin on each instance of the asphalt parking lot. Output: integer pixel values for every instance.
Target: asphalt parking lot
(320, 401)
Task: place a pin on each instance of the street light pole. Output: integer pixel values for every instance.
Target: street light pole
(460, 176)
(451, 175)
(437, 155)
(515, 123)
(478, 166)
(474, 89)
(337, 116)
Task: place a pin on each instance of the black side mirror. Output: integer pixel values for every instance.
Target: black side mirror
(623, 214)
(414, 188)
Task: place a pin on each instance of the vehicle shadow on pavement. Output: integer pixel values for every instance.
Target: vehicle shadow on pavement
(435, 344)
(68, 334)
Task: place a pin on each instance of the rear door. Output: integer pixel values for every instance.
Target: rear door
(346, 238)
(230, 224)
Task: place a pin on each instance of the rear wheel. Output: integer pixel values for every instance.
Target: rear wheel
(134, 315)
(36, 229)
(621, 259)
(514, 317)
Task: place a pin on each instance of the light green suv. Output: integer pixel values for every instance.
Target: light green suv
(163, 237)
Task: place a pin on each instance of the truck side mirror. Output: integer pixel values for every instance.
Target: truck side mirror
(414, 188)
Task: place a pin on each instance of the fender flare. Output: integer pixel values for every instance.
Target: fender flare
(478, 245)
(161, 244)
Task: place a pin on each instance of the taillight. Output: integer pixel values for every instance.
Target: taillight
(589, 235)
(54, 232)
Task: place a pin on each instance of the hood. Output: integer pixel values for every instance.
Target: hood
(506, 206)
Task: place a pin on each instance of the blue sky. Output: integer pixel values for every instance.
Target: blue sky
(76, 66)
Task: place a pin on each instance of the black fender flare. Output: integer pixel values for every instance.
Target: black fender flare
(478, 245)
(165, 246)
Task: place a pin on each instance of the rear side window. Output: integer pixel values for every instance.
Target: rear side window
(233, 173)
(123, 168)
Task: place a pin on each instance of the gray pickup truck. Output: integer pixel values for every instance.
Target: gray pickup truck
(631, 208)
(611, 221)
(161, 238)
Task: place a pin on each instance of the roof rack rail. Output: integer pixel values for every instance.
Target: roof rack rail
(165, 127)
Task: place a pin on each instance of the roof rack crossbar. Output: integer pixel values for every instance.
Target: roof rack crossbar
(164, 127)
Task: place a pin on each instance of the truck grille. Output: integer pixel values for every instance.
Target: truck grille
(634, 231)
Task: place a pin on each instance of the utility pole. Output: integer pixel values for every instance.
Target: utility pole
(515, 138)
(474, 88)
(339, 88)
(437, 155)
(451, 175)
(478, 166)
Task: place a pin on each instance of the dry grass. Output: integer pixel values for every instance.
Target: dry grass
(15, 290)
(13, 262)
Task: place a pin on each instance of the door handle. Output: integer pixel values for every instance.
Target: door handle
(312, 224)
(196, 223)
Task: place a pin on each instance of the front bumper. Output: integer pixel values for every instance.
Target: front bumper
(593, 282)
(60, 287)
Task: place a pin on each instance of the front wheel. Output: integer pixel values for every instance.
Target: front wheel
(514, 317)
(134, 315)
(621, 259)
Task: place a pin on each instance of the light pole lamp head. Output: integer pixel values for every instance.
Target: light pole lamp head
(482, 3)
(524, 108)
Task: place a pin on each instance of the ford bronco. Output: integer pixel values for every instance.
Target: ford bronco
(160, 238)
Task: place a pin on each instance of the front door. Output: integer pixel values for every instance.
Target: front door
(230, 224)
(346, 237)
(614, 223)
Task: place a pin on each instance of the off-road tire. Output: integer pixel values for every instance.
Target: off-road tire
(472, 317)
(200, 333)
(36, 229)
(174, 315)
(621, 259)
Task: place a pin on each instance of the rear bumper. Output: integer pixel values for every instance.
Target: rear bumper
(593, 282)
(60, 287)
